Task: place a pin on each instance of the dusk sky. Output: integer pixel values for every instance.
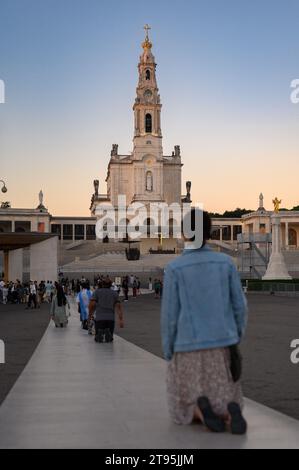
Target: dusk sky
(224, 74)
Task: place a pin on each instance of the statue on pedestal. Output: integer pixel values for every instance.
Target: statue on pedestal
(276, 203)
(41, 206)
(96, 187)
(187, 199)
(177, 151)
(41, 197)
(114, 151)
(276, 269)
(261, 203)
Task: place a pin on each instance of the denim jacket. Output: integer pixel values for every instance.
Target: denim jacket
(203, 304)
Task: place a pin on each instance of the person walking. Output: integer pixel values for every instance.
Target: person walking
(58, 308)
(83, 299)
(157, 288)
(48, 292)
(138, 286)
(103, 305)
(32, 303)
(203, 318)
(125, 287)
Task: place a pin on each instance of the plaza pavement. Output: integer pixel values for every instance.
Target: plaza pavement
(77, 394)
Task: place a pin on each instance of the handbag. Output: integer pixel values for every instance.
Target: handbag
(235, 362)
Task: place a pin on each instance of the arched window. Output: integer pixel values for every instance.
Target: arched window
(148, 75)
(292, 237)
(148, 123)
(149, 181)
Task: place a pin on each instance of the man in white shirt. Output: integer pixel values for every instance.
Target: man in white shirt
(32, 295)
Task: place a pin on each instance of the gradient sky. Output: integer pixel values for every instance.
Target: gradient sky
(224, 73)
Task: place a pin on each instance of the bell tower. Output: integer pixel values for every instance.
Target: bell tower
(147, 106)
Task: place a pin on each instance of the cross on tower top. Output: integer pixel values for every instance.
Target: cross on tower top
(147, 28)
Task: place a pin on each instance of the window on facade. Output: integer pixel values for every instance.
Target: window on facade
(149, 223)
(56, 228)
(5, 226)
(215, 234)
(90, 232)
(262, 228)
(147, 75)
(148, 123)
(79, 232)
(67, 232)
(149, 181)
(226, 233)
(292, 237)
(22, 226)
(237, 230)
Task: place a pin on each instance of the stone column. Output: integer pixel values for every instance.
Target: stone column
(44, 260)
(221, 234)
(15, 266)
(6, 265)
(85, 236)
(232, 233)
(276, 269)
(13, 226)
(287, 235)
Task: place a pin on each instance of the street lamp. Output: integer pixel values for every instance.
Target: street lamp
(4, 188)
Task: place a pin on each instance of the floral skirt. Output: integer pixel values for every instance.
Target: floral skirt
(200, 373)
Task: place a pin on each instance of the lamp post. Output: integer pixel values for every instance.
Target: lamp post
(4, 188)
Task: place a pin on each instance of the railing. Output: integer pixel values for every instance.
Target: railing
(254, 238)
(273, 286)
(162, 252)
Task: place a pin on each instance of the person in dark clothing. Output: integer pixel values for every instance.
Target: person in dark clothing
(103, 304)
(125, 286)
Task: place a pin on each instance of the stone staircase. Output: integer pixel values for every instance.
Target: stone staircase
(88, 250)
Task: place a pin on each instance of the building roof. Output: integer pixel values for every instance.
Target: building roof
(13, 241)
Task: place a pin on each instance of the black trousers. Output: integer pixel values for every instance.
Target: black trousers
(103, 324)
(32, 299)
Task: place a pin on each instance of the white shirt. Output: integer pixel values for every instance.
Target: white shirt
(32, 289)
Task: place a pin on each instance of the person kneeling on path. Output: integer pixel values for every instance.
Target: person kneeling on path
(83, 299)
(203, 318)
(103, 304)
(58, 308)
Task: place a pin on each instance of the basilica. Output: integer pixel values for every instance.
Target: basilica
(146, 175)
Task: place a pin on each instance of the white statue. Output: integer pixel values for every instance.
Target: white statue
(41, 198)
(149, 181)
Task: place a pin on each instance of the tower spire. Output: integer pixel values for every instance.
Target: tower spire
(147, 43)
(147, 107)
(147, 28)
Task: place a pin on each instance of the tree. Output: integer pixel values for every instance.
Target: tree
(236, 214)
(5, 205)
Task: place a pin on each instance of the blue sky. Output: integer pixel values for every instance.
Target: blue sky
(224, 73)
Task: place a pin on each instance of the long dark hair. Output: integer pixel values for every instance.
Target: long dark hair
(61, 299)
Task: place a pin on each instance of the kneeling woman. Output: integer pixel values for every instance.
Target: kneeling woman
(58, 308)
(203, 319)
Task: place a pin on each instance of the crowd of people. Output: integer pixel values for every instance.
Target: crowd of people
(32, 294)
(97, 304)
